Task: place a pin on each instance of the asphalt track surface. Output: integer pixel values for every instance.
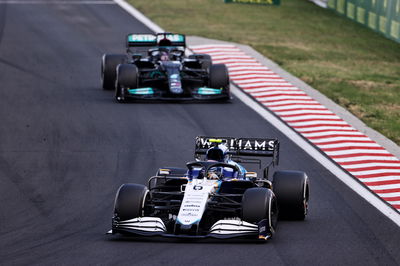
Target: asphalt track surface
(66, 146)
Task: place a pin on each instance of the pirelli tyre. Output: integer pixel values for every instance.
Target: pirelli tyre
(260, 204)
(219, 77)
(109, 63)
(127, 78)
(292, 192)
(130, 201)
(204, 59)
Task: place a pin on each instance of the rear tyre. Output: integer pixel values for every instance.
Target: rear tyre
(109, 63)
(259, 204)
(130, 201)
(127, 77)
(204, 59)
(219, 78)
(292, 192)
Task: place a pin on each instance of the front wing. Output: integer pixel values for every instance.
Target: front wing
(222, 229)
(197, 94)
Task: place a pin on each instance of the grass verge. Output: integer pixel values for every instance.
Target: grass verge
(354, 66)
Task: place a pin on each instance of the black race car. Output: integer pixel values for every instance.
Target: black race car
(214, 196)
(156, 67)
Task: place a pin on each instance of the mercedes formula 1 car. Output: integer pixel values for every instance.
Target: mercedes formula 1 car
(214, 196)
(156, 67)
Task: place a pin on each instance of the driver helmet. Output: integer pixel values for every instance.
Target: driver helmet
(164, 56)
(218, 153)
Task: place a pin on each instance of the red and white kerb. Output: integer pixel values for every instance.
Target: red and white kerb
(362, 157)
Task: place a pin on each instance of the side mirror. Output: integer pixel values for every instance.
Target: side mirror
(164, 171)
(251, 175)
(136, 57)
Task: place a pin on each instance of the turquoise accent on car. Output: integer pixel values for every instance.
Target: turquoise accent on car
(141, 91)
(209, 91)
(172, 37)
(219, 185)
(142, 38)
(195, 222)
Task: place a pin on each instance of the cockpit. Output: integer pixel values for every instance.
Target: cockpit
(211, 170)
(167, 53)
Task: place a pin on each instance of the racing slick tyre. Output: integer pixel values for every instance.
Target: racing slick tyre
(127, 77)
(259, 204)
(204, 59)
(219, 78)
(130, 201)
(109, 63)
(292, 192)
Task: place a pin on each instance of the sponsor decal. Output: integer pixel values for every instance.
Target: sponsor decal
(193, 201)
(244, 144)
(172, 37)
(261, 2)
(141, 38)
(191, 206)
(190, 210)
(256, 145)
(189, 214)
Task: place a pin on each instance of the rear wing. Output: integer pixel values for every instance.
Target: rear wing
(151, 40)
(240, 146)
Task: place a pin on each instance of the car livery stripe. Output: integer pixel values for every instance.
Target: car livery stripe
(363, 158)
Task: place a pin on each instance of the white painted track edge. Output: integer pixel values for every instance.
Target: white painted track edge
(139, 16)
(313, 152)
(350, 181)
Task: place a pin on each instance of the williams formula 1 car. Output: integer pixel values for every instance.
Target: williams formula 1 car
(214, 196)
(156, 67)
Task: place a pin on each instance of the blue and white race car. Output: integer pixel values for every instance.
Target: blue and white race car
(214, 196)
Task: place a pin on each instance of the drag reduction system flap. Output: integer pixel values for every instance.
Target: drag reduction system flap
(147, 39)
(240, 146)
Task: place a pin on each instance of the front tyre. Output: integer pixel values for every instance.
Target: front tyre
(292, 191)
(259, 205)
(127, 78)
(109, 63)
(130, 201)
(219, 79)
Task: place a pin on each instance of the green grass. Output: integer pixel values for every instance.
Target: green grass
(354, 66)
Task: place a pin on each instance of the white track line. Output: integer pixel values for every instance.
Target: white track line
(313, 152)
(139, 16)
(292, 135)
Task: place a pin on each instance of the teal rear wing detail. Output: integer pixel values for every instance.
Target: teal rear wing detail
(159, 39)
(135, 40)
